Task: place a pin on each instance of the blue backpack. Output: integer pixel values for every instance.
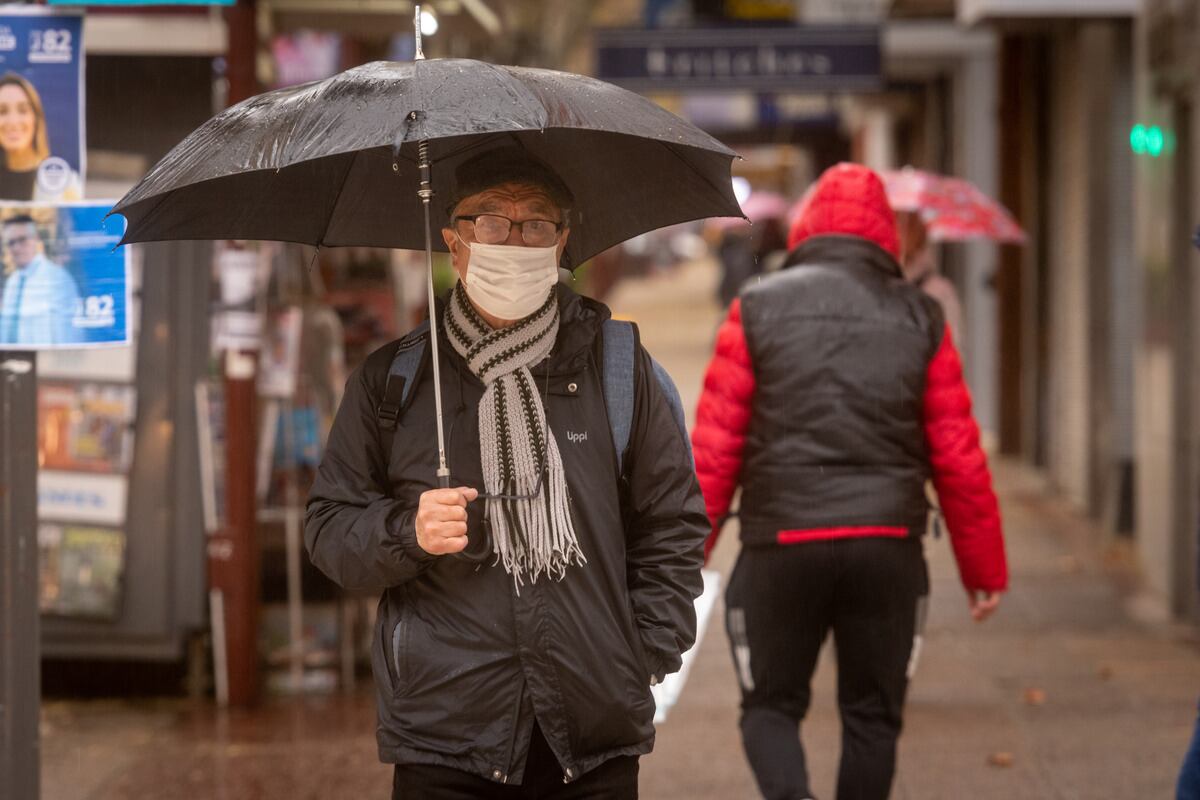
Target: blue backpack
(620, 354)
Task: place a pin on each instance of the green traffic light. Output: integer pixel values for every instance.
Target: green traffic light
(1155, 141)
(1151, 140)
(1137, 139)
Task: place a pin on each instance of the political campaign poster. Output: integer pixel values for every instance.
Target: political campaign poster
(42, 142)
(65, 283)
(116, 364)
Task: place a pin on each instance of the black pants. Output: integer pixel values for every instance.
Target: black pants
(615, 779)
(780, 604)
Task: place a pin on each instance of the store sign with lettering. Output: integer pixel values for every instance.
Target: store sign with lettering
(757, 58)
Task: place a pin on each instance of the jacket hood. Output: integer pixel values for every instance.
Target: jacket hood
(839, 249)
(848, 200)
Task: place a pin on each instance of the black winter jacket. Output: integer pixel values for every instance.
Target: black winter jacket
(852, 453)
(464, 664)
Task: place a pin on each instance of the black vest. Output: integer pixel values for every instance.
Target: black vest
(840, 344)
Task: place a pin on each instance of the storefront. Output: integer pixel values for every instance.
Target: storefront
(1168, 209)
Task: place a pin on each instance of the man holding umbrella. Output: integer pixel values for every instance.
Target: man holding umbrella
(526, 610)
(539, 579)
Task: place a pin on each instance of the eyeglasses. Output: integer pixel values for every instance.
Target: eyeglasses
(16, 240)
(495, 229)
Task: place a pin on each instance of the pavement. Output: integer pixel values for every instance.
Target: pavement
(1063, 694)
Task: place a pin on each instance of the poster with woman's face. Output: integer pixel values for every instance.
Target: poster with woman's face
(41, 104)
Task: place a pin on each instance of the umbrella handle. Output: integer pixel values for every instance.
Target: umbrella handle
(426, 194)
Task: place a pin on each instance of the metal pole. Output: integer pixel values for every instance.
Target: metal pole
(20, 644)
(426, 194)
(293, 544)
(236, 572)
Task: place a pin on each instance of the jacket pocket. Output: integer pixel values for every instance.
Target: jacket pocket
(399, 652)
(393, 645)
(639, 648)
(381, 659)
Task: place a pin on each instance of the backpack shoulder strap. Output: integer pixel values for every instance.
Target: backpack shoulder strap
(620, 364)
(620, 348)
(404, 374)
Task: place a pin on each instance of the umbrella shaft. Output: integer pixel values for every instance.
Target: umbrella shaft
(443, 472)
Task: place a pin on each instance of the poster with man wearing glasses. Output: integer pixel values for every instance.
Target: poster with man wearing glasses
(64, 284)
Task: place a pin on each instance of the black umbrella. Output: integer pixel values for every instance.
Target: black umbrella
(335, 162)
(356, 159)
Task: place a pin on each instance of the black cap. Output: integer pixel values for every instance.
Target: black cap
(507, 165)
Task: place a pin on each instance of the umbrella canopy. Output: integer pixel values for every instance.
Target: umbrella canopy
(952, 209)
(334, 162)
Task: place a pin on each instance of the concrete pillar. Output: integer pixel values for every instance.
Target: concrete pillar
(879, 140)
(20, 638)
(975, 103)
(1124, 314)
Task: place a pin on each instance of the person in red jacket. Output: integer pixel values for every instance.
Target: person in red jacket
(835, 392)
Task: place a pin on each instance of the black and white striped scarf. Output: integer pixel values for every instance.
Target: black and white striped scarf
(534, 536)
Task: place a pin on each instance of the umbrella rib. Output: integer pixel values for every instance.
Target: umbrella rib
(688, 164)
(337, 198)
(162, 198)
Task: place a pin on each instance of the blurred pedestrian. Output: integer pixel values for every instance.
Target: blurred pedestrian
(1188, 787)
(735, 252)
(920, 268)
(523, 670)
(770, 244)
(835, 391)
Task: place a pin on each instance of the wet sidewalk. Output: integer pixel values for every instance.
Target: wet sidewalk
(1060, 695)
(1062, 691)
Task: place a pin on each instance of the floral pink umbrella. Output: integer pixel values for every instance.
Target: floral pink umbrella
(952, 209)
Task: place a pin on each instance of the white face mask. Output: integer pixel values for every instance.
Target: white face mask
(509, 281)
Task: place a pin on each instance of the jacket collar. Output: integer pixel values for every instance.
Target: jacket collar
(579, 323)
(838, 250)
